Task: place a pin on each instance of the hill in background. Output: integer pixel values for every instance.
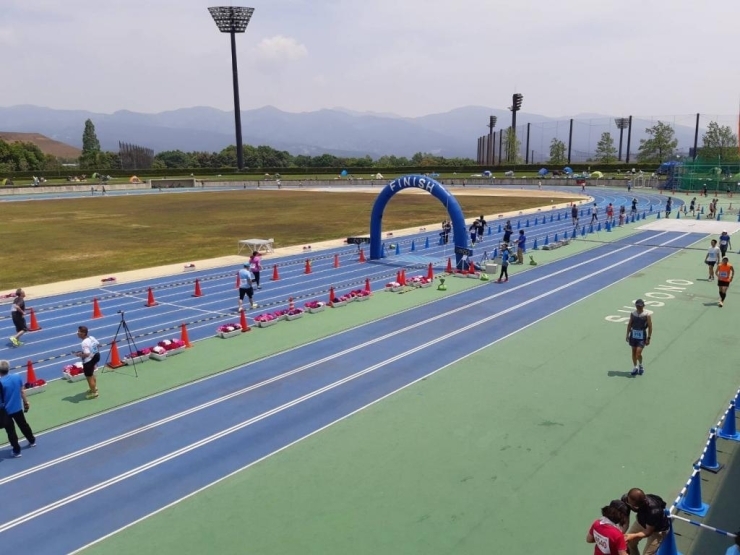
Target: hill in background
(47, 145)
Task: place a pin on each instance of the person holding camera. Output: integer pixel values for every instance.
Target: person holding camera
(651, 523)
(13, 406)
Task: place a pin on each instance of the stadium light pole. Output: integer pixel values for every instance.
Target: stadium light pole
(622, 124)
(491, 140)
(232, 20)
(516, 105)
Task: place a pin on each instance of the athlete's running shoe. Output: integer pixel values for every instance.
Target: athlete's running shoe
(635, 371)
(641, 370)
(720, 304)
(14, 341)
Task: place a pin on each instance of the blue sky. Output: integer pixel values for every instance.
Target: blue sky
(410, 57)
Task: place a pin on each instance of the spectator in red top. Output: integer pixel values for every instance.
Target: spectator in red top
(607, 533)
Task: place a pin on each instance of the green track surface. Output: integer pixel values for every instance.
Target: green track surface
(512, 450)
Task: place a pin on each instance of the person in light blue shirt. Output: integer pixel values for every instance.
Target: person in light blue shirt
(13, 400)
(246, 287)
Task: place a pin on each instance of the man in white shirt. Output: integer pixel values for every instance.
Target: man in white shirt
(712, 258)
(90, 355)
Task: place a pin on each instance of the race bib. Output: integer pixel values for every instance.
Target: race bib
(723, 243)
(602, 543)
(638, 334)
(723, 275)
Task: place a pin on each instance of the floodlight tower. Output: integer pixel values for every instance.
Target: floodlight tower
(491, 140)
(232, 20)
(516, 105)
(622, 124)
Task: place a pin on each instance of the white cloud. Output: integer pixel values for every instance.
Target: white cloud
(281, 49)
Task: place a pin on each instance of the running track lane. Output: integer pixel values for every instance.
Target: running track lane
(275, 416)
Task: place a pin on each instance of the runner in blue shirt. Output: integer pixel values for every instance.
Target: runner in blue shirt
(724, 243)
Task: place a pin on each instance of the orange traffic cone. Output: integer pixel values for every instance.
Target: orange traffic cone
(184, 335)
(236, 286)
(243, 322)
(430, 272)
(198, 292)
(336, 261)
(150, 299)
(34, 324)
(275, 275)
(291, 306)
(115, 359)
(449, 266)
(403, 277)
(96, 310)
(30, 373)
(471, 267)
(398, 277)
(308, 266)
(367, 285)
(331, 296)
(362, 256)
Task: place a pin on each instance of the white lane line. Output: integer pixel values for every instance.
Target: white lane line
(219, 435)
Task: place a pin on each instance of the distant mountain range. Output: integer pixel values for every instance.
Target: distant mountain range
(335, 131)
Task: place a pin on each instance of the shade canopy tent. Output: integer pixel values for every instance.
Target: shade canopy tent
(262, 246)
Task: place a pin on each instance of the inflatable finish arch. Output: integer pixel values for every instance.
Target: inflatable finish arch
(426, 184)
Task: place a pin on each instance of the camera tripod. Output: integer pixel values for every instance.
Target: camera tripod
(122, 325)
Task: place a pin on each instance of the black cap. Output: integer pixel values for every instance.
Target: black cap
(620, 505)
(639, 302)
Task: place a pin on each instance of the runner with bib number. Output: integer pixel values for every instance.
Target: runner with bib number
(639, 330)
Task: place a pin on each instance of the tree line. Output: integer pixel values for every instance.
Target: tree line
(268, 157)
(21, 156)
